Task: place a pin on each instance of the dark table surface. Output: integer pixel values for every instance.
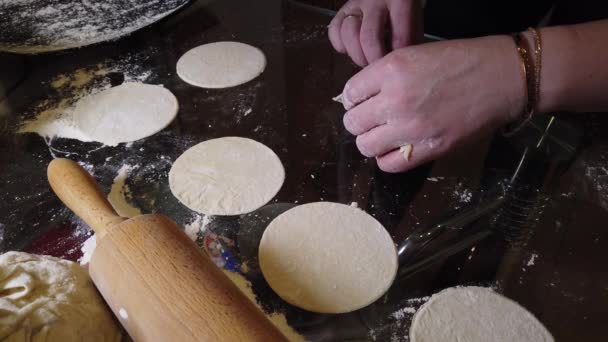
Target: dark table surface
(552, 261)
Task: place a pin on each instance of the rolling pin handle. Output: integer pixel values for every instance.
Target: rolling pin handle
(78, 190)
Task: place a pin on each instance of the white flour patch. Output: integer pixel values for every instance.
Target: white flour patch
(400, 314)
(120, 192)
(532, 260)
(123, 313)
(197, 226)
(87, 250)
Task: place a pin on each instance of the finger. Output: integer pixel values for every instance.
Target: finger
(395, 161)
(334, 32)
(383, 139)
(364, 117)
(349, 32)
(364, 85)
(372, 33)
(403, 22)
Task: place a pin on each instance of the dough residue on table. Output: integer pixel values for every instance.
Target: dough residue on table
(120, 192)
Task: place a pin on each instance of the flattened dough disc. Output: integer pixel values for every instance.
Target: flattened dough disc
(221, 65)
(475, 314)
(226, 176)
(328, 257)
(126, 113)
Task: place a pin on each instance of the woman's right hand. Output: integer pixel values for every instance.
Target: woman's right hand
(359, 27)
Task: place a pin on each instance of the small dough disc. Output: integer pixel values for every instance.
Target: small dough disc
(226, 176)
(328, 257)
(221, 64)
(475, 314)
(43, 298)
(126, 113)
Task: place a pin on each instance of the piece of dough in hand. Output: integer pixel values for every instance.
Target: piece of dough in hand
(221, 64)
(328, 257)
(43, 298)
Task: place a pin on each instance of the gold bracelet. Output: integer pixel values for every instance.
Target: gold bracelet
(537, 65)
(531, 75)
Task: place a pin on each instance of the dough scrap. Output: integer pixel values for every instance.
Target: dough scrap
(406, 151)
(43, 298)
(328, 257)
(221, 65)
(226, 176)
(126, 113)
(475, 314)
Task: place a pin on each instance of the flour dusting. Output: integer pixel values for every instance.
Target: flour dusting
(87, 250)
(54, 116)
(36, 26)
(532, 260)
(120, 192)
(197, 226)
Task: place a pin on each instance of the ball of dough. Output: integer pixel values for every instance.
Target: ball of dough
(226, 176)
(126, 113)
(475, 314)
(43, 298)
(328, 257)
(221, 65)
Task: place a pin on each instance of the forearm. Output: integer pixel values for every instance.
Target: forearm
(574, 74)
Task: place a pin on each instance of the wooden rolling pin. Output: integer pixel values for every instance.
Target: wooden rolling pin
(158, 283)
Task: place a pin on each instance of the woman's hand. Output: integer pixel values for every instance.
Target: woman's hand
(433, 96)
(358, 29)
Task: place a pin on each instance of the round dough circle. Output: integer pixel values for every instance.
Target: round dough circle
(221, 65)
(475, 314)
(126, 113)
(50, 299)
(226, 176)
(328, 257)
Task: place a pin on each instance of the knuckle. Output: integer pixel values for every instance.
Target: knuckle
(365, 146)
(350, 123)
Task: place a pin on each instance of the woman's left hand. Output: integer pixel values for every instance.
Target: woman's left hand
(434, 97)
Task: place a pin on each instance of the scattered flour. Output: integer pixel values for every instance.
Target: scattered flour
(532, 259)
(462, 195)
(197, 226)
(87, 250)
(30, 26)
(55, 115)
(120, 192)
(123, 313)
(400, 314)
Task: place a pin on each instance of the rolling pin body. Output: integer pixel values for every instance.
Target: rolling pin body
(154, 278)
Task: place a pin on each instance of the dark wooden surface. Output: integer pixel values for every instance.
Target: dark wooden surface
(566, 287)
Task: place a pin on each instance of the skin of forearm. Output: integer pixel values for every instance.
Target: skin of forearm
(574, 73)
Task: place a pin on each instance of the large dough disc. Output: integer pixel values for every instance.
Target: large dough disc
(328, 257)
(221, 64)
(226, 176)
(475, 314)
(126, 113)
